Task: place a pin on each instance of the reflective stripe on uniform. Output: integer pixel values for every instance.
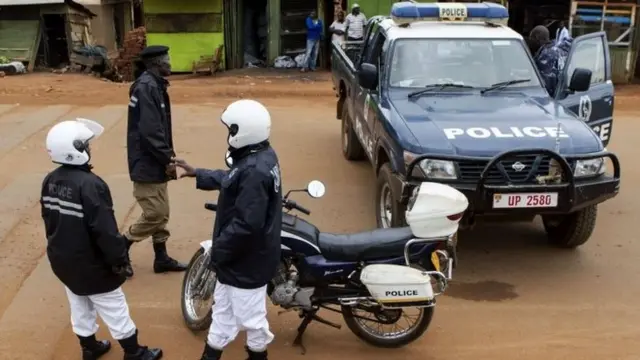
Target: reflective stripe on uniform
(62, 206)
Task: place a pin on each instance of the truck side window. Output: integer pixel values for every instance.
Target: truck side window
(377, 55)
(590, 54)
(370, 32)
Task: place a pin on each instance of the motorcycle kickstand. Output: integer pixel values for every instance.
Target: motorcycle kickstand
(326, 322)
(308, 316)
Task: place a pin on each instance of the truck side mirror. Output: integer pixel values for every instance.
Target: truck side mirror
(580, 80)
(368, 76)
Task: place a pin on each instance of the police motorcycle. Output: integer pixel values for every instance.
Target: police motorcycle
(372, 278)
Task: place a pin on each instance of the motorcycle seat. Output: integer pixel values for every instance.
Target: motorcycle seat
(363, 246)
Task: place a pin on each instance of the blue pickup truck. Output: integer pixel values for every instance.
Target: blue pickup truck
(446, 92)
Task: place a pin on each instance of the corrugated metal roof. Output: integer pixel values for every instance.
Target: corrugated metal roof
(29, 2)
(71, 3)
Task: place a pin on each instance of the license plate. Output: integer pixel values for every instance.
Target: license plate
(435, 260)
(525, 200)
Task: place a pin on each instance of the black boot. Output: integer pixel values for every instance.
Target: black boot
(254, 355)
(134, 351)
(128, 270)
(92, 349)
(163, 263)
(210, 353)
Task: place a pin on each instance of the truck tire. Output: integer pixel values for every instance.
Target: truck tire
(351, 147)
(572, 230)
(386, 204)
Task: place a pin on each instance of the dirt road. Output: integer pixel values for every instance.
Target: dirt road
(513, 296)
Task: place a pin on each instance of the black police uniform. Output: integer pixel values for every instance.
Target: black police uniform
(87, 253)
(149, 130)
(149, 152)
(83, 238)
(246, 233)
(246, 246)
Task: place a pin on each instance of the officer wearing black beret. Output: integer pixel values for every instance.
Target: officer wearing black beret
(150, 153)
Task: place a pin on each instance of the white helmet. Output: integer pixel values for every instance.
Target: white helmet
(67, 141)
(248, 121)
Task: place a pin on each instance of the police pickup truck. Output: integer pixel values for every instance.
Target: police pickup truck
(446, 92)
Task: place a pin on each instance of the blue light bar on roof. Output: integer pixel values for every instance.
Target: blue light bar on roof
(409, 12)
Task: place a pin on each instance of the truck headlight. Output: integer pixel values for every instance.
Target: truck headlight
(434, 169)
(589, 167)
(438, 169)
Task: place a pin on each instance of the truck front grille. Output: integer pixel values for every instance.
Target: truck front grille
(470, 170)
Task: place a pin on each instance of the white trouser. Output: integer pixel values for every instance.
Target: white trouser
(238, 309)
(112, 308)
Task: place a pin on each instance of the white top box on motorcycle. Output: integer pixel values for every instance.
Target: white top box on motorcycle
(436, 210)
(397, 285)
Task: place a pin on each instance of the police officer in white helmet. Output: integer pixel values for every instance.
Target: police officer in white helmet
(85, 249)
(246, 245)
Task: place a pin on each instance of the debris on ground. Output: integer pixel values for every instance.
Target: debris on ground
(12, 67)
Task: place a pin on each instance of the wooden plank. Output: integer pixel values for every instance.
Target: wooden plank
(36, 46)
(17, 38)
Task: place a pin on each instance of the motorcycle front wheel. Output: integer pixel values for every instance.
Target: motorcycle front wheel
(384, 327)
(197, 293)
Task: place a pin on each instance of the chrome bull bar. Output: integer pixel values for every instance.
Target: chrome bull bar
(441, 279)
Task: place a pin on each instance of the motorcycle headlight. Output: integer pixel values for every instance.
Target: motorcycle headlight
(589, 167)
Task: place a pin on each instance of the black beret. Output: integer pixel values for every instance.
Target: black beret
(154, 51)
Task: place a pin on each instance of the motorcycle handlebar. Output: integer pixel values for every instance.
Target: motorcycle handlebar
(211, 206)
(289, 204)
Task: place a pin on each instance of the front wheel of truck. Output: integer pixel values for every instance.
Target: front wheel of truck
(571, 230)
(351, 147)
(389, 211)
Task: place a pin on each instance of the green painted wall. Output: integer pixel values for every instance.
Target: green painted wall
(18, 39)
(185, 47)
(376, 7)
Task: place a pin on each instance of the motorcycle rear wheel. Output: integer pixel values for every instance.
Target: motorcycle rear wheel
(387, 341)
(194, 321)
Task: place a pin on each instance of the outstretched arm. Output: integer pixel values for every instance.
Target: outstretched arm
(209, 180)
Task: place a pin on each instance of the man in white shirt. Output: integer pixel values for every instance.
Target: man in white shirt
(562, 33)
(337, 29)
(354, 24)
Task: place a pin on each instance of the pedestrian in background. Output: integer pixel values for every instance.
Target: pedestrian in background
(562, 33)
(149, 153)
(355, 23)
(314, 35)
(337, 29)
(85, 249)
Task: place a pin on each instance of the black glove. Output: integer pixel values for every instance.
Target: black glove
(119, 269)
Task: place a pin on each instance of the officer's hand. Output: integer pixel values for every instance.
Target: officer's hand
(189, 171)
(171, 172)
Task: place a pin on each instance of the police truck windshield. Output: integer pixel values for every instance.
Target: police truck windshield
(479, 63)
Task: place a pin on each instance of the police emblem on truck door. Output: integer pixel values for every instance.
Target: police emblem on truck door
(584, 109)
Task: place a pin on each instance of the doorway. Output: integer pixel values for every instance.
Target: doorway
(330, 10)
(255, 31)
(54, 40)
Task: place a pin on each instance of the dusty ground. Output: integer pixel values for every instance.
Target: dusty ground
(513, 297)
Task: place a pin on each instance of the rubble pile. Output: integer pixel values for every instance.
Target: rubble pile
(134, 41)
